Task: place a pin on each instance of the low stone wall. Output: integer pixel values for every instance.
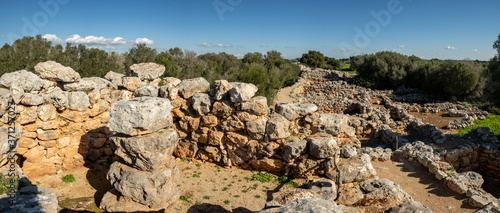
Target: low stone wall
(65, 120)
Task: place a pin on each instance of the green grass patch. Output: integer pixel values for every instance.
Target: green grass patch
(263, 177)
(68, 178)
(493, 122)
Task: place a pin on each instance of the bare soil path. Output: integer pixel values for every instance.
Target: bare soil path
(422, 185)
(284, 95)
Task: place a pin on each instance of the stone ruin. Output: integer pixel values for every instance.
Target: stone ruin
(141, 121)
(146, 176)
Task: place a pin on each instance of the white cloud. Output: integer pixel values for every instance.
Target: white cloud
(475, 50)
(450, 47)
(402, 46)
(205, 44)
(144, 41)
(53, 38)
(96, 41)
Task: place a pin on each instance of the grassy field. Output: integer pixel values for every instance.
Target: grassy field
(493, 122)
(347, 68)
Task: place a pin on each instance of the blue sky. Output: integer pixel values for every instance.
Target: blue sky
(429, 29)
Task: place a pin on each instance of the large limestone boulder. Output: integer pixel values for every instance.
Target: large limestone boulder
(146, 152)
(27, 80)
(325, 188)
(5, 101)
(354, 169)
(201, 103)
(147, 71)
(307, 205)
(241, 92)
(334, 124)
(153, 189)
(132, 83)
(293, 111)
(78, 101)
(17, 93)
(89, 84)
(140, 115)
(54, 71)
(383, 193)
(189, 87)
(322, 145)
(115, 78)
(47, 112)
(256, 105)
(277, 127)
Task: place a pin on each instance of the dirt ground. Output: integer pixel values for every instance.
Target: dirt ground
(439, 120)
(422, 185)
(204, 188)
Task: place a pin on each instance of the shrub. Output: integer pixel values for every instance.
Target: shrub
(68, 178)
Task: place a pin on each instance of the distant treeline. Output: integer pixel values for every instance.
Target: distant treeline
(465, 80)
(268, 71)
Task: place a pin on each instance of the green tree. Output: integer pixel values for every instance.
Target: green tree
(167, 60)
(313, 59)
(140, 54)
(273, 58)
(255, 57)
(496, 46)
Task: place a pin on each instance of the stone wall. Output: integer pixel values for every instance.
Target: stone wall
(65, 120)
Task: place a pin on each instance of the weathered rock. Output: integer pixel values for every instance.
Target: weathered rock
(325, 188)
(29, 99)
(461, 182)
(132, 83)
(322, 145)
(410, 206)
(8, 149)
(378, 153)
(241, 92)
(349, 151)
(220, 89)
(151, 91)
(78, 101)
(209, 121)
(89, 84)
(113, 201)
(189, 124)
(186, 148)
(350, 196)
(268, 164)
(171, 81)
(256, 105)
(354, 169)
(17, 93)
(115, 78)
(188, 87)
(222, 109)
(232, 124)
(334, 124)
(154, 189)
(277, 127)
(257, 128)
(5, 101)
(307, 205)
(171, 92)
(57, 98)
(147, 71)
(27, 116)
(201, 103)
(215, 137)
(293, 111)
(293, 149)
(47, 112)
(54, 71)
(383, 193)
(30, 199)
(144, 114)
(146, 152)
(25, 79)
(294, 195)
(478, 201)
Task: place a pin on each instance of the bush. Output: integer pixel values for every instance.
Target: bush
(313, 59)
